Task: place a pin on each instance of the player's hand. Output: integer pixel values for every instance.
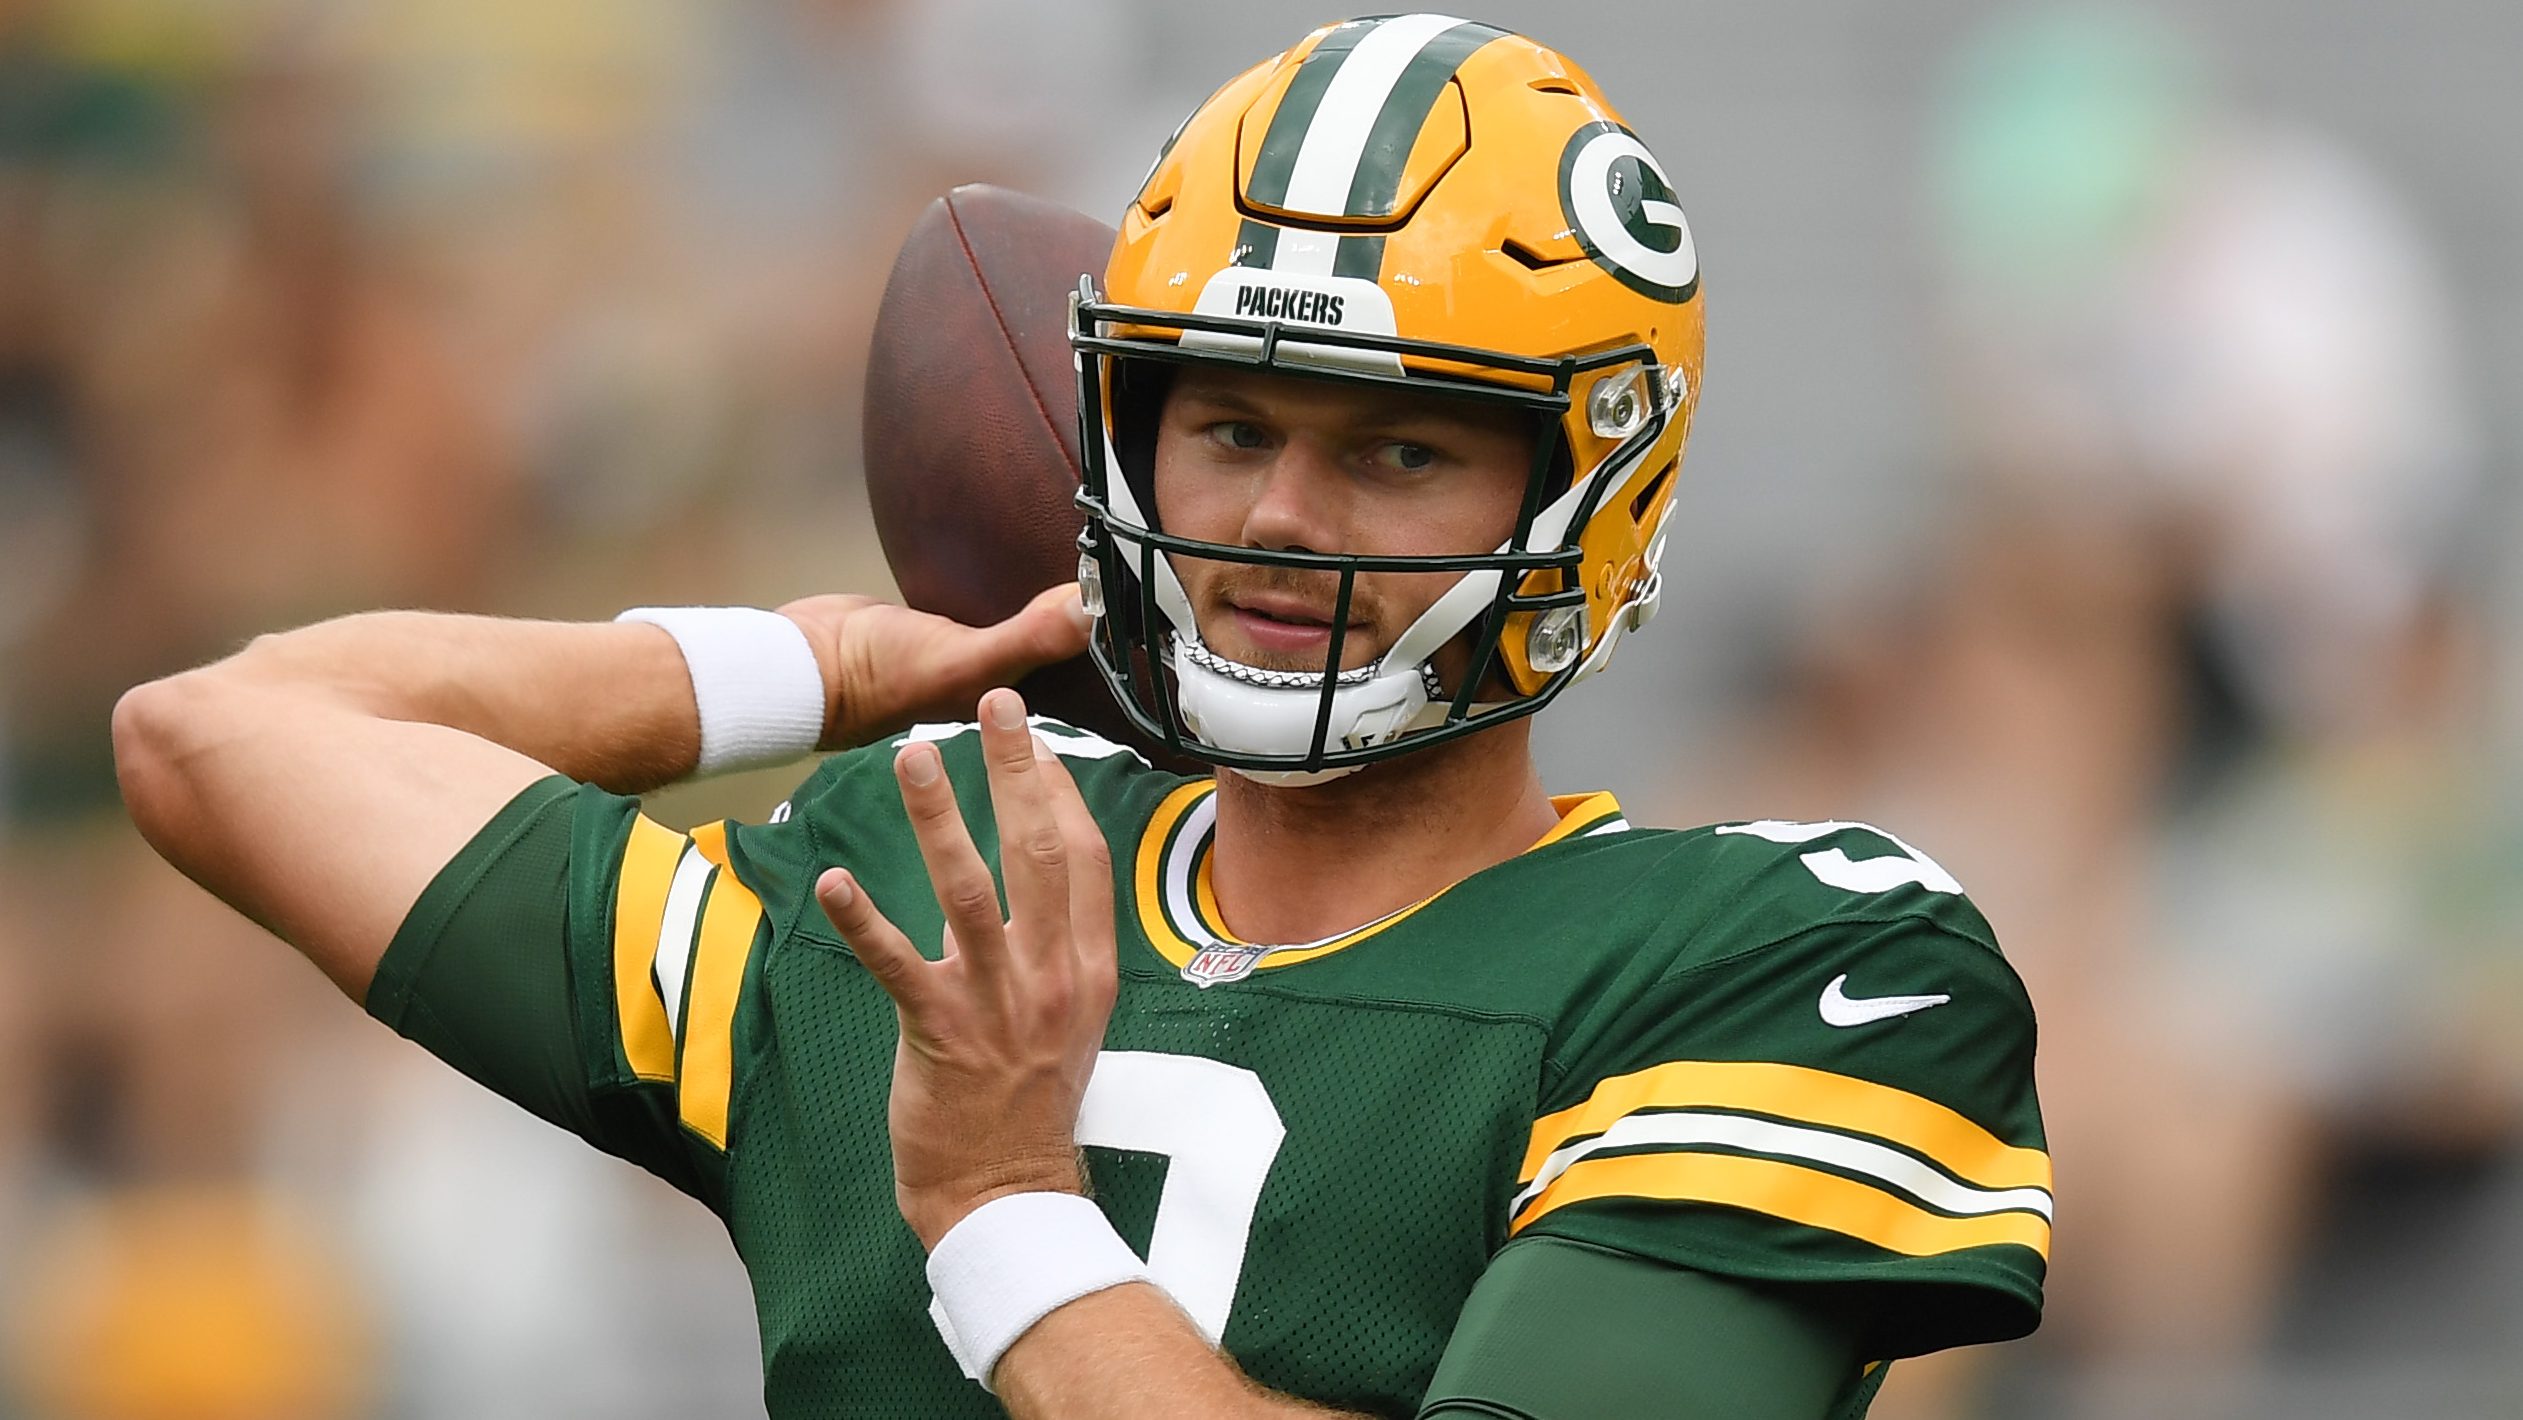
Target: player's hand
(887, 666)
(1000, 1036)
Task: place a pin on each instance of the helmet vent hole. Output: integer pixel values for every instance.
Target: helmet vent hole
(1530, 259)
(1647, 496)
(1159, 207)
(1553, 84)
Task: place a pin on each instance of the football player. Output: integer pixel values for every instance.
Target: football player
(1362, 1075)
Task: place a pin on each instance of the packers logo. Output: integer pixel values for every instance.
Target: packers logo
(1621, 208)
(1276, 303)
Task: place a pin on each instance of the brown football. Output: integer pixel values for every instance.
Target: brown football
(971, 426)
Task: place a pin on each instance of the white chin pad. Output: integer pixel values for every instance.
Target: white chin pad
(1229, 714)
(1291, 778)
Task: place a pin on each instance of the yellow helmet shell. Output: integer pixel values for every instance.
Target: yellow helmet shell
(1486, 187)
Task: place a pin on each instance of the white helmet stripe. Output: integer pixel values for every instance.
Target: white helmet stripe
(1336, 136)
(1328, 161)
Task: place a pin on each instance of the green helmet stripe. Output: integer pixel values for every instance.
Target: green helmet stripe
(1406, 108)
(1277, 159)
(1256, 243)
(1361, 257)
(1391, 99)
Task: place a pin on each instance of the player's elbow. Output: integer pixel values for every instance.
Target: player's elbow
(163, 727)
(160, 729)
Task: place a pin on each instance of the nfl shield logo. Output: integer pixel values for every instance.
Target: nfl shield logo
(1223, 961)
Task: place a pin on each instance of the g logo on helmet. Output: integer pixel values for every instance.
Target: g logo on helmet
(1621, 208)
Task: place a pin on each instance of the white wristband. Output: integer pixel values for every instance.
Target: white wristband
(754, 679)
(1013, 1261)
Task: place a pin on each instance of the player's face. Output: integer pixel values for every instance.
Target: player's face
(1287, 464)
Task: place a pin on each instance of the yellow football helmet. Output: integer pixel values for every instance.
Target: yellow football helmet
(1410, 200)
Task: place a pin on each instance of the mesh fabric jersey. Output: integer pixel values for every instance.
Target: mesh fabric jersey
(1678, 1045)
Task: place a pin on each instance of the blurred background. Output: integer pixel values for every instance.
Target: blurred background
(2107, 477)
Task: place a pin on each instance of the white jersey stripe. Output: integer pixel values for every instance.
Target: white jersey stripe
(1063, 739)
(674, 936)
(1182, 862)
(1860, 1156)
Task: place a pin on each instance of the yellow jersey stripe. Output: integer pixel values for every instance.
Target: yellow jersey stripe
(639, 914)
(1799, 1093)
(1149, 877)
(711, 839)
(1873, 1162)
(1204, 896)
(1292, 955)
(1788, 1191)
(728, 926)
(1577, 813)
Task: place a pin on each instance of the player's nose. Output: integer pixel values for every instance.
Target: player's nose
(1299, 503)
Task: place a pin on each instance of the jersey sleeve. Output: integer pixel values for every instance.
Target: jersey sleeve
(1578, 1333)
(1838, 1093)
(598, 968)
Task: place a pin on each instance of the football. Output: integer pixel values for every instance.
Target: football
(971, 428)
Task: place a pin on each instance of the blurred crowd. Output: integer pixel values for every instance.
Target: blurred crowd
(2197, 659)
(2201, 682)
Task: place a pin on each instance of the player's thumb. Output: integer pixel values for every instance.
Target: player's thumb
(1051, 628)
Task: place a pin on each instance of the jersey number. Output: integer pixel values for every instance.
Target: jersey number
(1219, 1132)
(1841, 871)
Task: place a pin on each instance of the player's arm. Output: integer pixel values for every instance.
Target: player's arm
(1554, 1331)
(318, 780)
(1128, 1353)
(1561, 1331)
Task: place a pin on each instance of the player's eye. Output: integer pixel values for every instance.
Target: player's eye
(1405, 457)
(1236, 434)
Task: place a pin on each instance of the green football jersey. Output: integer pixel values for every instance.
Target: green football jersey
(1784, 1053)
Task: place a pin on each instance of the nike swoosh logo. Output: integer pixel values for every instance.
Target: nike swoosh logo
(1842, 1010)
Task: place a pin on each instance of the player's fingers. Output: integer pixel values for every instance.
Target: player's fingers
(1033, 854)
(965, 890)
(880, 946)
(1051, 628)
(1090, 873)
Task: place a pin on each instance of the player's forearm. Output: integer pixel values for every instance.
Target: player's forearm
(1126, 1353)
(605, 703)
(319, 779)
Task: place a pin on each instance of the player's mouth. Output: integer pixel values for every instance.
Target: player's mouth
(1289, 626)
